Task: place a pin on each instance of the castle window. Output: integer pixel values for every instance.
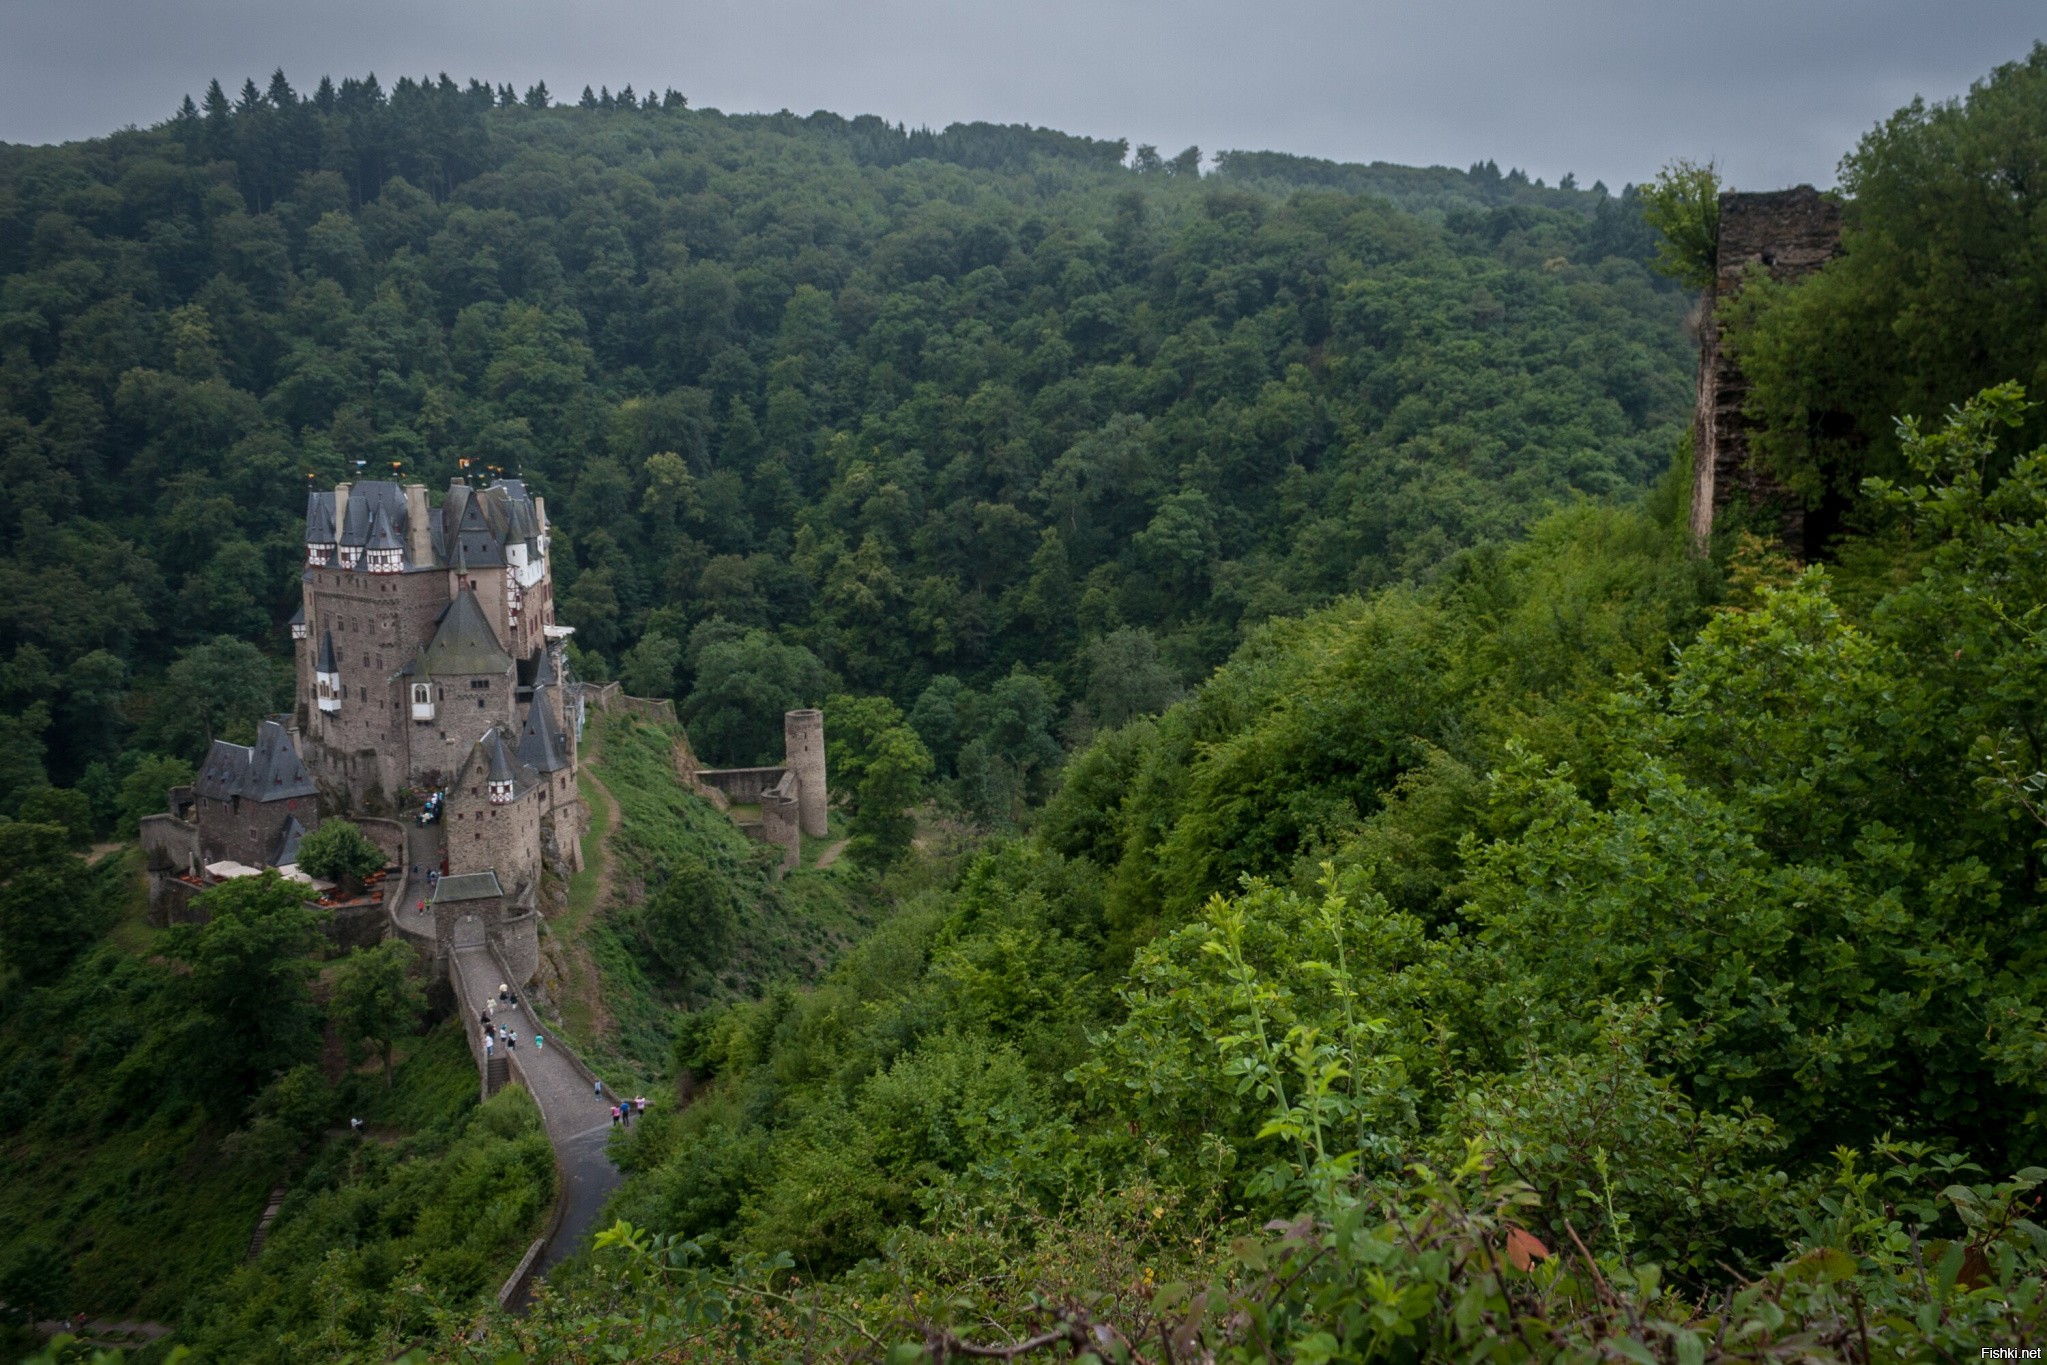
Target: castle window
(479, 682)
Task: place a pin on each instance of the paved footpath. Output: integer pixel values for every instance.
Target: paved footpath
(578, 1123)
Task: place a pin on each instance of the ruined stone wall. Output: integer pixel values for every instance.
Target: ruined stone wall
(562, 827)
(781, 823)
(170, 844)
(741, 786)
(1789, 233)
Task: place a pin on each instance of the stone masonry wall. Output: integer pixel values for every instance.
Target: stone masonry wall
(1789, 233)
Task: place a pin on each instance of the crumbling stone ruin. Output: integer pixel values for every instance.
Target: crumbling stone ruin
(792, 798)
(1790, 233)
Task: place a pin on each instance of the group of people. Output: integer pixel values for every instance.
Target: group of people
(625, 1110)
(492, 1032)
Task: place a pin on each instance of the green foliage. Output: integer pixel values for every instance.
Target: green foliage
(689, 922)
(1683, 206)
(916, 402)
(145, 790)
(51, 904)
(375, 1002)
(68, 810)
(248, 1012)
(745, 681)
(695, 917)
(217, 690)
(1127, 679)
(879, 767)
(377, 1243)
(1939, 291)
(337, 851)
(648, 669)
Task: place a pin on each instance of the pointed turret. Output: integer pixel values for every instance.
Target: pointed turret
(502, 779)
(320, 532)
(383, 548)
(540, 745)
(327, 675)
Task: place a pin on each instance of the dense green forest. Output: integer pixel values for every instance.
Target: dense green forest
(816, 404)
(1340, 876)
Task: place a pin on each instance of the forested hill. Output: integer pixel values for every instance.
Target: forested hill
(906, 404)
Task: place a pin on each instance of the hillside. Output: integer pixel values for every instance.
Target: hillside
(1335, 870)
(916, 406)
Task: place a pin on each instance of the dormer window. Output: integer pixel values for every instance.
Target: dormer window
(500, 793)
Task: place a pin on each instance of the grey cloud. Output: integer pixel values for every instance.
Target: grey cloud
(1775, 91)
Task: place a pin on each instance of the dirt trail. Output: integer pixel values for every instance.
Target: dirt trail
(831, 855)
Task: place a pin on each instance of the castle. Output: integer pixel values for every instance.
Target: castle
(428, 661)
(432, 708)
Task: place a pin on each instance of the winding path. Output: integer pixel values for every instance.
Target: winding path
(578, 1121)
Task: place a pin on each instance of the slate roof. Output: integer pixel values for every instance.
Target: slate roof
(319, 517)
(476, 545)
(298, 618)
(540, 746)
(492, 759)
(327, 663)
(464, 642)
(468, 886)
(288, 843)
(381, 536)
(268, 770)
(367, 499)
(500, 759)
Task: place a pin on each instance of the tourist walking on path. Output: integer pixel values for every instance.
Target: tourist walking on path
(597, 1089)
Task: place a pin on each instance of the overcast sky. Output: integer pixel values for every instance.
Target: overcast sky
(1776, 90)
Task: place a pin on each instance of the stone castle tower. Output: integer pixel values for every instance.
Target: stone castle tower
(429, 661)
(1790, 233)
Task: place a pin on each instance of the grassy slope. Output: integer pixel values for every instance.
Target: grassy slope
(792, 928)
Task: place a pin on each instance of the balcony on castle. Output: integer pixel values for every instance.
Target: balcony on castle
(422, 701)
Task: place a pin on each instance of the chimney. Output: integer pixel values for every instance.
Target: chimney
(341, 510)
(419, 540)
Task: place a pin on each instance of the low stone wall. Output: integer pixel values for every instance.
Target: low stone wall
(611, 697)
(741, 786)
(387, 835)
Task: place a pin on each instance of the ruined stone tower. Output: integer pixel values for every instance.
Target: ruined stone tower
(803, 753)
(1789, 233)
